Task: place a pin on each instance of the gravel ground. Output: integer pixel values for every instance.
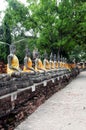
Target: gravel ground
(65, 110)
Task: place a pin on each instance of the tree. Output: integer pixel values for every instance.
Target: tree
(54, 27)
(14, 16)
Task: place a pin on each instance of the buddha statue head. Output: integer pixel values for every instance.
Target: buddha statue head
(35, 53)
(38, 55)
(12, 49)
(45, 55)
(27, 52)
(54, 57)
(61, 59)
(51, 56)
(65, 60)
(58, 57)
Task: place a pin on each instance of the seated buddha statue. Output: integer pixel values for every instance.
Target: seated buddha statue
(58, 59)
(13, 62)
(66, 64)
(55, 62)
(39, 67)
(51, 62)
(46, 62)
(61, 62)
(28, 62)
(74, 64)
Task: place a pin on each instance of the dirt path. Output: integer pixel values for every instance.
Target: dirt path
(65, 110)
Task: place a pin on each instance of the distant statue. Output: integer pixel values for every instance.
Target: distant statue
(55, 62)
(39, 67)
(68, 65)
(51, 61)
(65, 63)
(46, 62)
(61, 62)
(58, 59)
(34, 52)
(28, 62)
(74, 63)
(13, 62)
(34, 55)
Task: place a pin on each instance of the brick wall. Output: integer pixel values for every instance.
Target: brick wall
(16, 106)
(3, 67)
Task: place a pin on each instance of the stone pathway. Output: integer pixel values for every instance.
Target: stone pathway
(65, 110)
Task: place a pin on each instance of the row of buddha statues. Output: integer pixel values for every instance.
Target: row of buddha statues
(39, 66)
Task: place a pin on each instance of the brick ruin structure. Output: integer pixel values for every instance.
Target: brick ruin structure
(3, 67)
(20, 95)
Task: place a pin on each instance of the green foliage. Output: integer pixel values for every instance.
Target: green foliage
(14, 14)
(4, 37)
(3, 54)
(20, 48)
(78, 53)
(55, 27)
